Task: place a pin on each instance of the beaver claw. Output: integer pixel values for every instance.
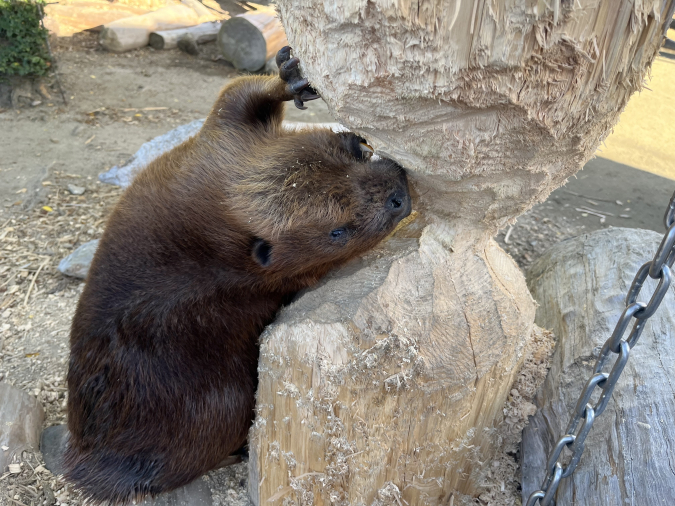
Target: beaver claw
(297, 85)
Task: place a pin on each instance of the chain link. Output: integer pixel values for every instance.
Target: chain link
(573, 439)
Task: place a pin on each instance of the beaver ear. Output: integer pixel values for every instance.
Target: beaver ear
(356, 145)
(262, 252)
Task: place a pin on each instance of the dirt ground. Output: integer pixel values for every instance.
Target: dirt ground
(118, 102)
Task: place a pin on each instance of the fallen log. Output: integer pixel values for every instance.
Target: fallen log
(580, 285)
(249, 40)
(64, 20)
(134, 32)
(168, 39)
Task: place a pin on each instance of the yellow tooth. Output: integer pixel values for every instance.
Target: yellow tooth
(366, 147)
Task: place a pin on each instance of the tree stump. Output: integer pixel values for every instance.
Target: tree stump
(386, 383)
(580, 286)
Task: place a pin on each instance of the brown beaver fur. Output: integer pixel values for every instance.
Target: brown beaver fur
(197, 257)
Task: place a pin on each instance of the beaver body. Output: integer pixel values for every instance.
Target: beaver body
(197, 257)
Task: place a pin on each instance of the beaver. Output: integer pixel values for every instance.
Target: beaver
(201, 251)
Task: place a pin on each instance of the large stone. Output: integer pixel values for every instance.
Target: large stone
(123, 175)
(196, 493)
(78, 262)
(21, 418)
(52, 445)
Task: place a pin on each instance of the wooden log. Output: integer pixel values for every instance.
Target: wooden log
(65, 19)
(580, 285)
(168, 39)
(387, 385)
(249, 40)
(134, 32)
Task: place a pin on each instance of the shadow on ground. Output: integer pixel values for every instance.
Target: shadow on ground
(628, 197)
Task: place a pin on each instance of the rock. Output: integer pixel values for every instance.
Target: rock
(52, 446)
(76, 190)
(21, 418)
(5, 95)
(188, 44)
(22, 91)
(196, 493)
(122, 175)
(271, 66)
(77, 263)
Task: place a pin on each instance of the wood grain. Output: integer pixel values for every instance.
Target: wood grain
(386, 383)
(580, 286)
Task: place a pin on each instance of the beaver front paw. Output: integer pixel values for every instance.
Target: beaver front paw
(297, 85)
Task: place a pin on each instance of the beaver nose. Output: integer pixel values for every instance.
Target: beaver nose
(398, 204)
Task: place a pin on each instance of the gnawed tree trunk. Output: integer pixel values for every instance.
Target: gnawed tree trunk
(580, 286)
(387, 382)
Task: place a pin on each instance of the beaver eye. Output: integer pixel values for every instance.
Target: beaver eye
(337, 233)
(340, 235)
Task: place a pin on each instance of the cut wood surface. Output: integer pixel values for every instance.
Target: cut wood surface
(168, 39)
(371, 387)
(580, 286)
(249, 40)
(387, 383)
(489, 106)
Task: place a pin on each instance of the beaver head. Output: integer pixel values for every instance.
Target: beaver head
(317, 205)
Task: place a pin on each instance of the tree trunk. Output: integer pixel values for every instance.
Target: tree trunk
(387, 382)
(580, 286)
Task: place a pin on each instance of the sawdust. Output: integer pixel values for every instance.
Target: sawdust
(502, 478)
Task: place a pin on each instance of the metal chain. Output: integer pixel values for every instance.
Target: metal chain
(585, 412)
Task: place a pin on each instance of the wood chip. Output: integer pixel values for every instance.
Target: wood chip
(508, 235)
(32, 283)
(604, 213)
(588, 211)
(14, 468)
